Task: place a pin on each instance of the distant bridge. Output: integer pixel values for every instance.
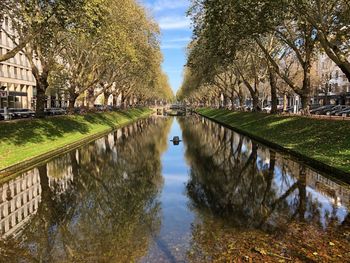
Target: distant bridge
(174, 110)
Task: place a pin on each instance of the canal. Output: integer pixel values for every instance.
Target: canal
(135, 196)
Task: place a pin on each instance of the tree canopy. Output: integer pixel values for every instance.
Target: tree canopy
(91, 48)
(270, 44)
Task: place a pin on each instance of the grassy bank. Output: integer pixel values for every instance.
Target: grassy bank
(322, 140)
(23, 140)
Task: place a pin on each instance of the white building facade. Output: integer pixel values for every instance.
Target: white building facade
(17, 83)
(334, 87)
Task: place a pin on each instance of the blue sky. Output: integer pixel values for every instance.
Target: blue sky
(175, 35)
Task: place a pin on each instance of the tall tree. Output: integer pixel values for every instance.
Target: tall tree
(331, 20)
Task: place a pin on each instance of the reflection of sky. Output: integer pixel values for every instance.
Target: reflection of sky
(326, 205)
(176, 216)
(173, 197)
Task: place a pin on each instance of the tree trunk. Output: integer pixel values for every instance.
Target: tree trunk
(90, 99)
(225, 102)
(41, 86)
(232, 101)
(305, 103)
(106, 95)
(285, 102)
(254, 93)
(273, 86)
(241, 97)
(115, 100)
(72, 98)
(40, 101)
(127, 102)
(302, 193)
(306, 90)
(122, 100)
(213, 102)
(255, 102)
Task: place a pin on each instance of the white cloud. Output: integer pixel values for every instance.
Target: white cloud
(160, 5)
(173, 46)
(174, 22)
(176, 43)
(176, 40)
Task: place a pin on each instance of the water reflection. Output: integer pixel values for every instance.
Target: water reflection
(253, 186)
(239, 187)
(97, 203)
(216, 196)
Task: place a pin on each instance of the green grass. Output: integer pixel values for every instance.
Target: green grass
(323, 140)
(23, 140)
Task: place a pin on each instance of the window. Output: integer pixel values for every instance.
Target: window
(6, 22)
(335, 87)
(336, 74)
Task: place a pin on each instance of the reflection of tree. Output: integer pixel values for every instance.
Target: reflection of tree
(111, 210)
(236, 179)
(241, 191)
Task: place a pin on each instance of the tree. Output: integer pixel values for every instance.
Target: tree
(16, 31)
(46, 21)
(331, 20)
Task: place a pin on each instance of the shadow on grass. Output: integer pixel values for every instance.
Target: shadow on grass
(38, 131)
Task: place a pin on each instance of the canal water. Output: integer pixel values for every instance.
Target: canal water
(136, 196)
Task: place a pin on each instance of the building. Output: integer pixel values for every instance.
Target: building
(17, 83)
(333, 85)
(19, 201)
(20, 197)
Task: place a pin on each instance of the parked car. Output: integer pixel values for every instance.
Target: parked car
(336, 109)
(345, 111)
(9, 112)
(290, 109)
(100, 107)
(2, 115)
(22, 113)
(322, 110)
(111, 108)
(55, 111)
(267, 109)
